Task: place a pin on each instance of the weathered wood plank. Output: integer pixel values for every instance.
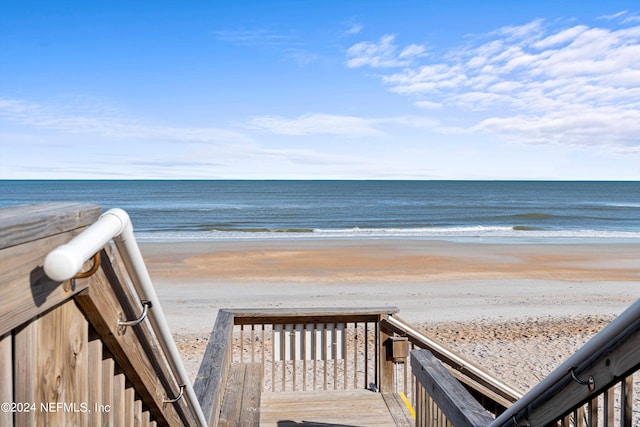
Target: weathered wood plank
(398, 410)
(460, 408)
(108, 390)
(6, 377)
(626, 398)
(387, 371)
(119, 400)
(212, 374)
(324, 408)
(137, 413)
(25, 291)
(309, 315)
(251, 396)
(61, 366)
(95, 383)
(312, 311)
(129, 405)
(26, 370)
(232, 400)
(145, 419)
(26, 223)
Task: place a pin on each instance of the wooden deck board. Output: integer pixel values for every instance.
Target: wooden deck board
(341, 408)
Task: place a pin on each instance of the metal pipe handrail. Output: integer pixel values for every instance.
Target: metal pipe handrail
(64, 262)
(596, 344)
(459, 362)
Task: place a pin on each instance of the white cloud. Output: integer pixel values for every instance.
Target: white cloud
(74, 119)
(575, 85)
(382, 54)
(336, 125)
(354, 29)
(428, 105)
(613, 15)
(316, 124)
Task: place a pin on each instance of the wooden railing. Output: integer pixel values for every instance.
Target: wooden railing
(594, 387)
(63, 358)
(441, 400)
(328, 349)
(299, 350)
(492, 394)
(597, 386)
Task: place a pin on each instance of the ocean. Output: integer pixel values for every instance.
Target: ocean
(483, 211)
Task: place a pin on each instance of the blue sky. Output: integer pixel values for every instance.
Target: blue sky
(320, 90)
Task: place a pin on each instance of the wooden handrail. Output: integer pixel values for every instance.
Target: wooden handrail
(613, 354)
(455, 402)
(465, 371)
(212, 374)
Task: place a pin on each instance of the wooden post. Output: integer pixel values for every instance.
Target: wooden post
(386, 362)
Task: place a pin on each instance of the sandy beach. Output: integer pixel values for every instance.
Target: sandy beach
(517, 309)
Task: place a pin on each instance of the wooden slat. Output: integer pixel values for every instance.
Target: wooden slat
(334, 354)
(608, 407)
(366, 355)
(137, 413)
(95, 383)
(212, 374)
(626, 398)
(305, 356)
(119, 400)
(251, 396)
(355, 355)
(232, 399)
(452, 398)
(309, 315)
(241, 402)
(6, 377)
(25, 370)
(324, 409)
(592, 414)
(55, 362)
(26, 223)
(146, 419)
(398, 410)
(129, 405)
(108, 390)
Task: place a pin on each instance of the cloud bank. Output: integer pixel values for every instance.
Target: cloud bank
(534, 83)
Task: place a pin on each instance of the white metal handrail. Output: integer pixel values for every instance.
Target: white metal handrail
(66, 260)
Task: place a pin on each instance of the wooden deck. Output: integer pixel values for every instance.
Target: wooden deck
(341, 408)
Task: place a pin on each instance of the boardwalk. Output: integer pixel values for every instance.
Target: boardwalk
(342, 408)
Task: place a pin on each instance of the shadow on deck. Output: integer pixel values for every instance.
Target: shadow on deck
(345, 408)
